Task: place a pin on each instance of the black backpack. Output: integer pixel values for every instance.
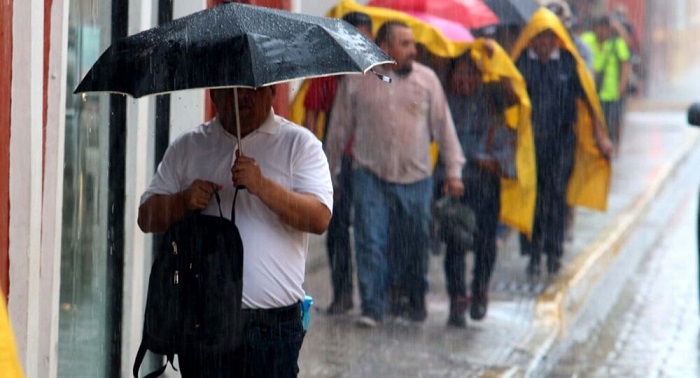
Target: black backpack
(195, 289)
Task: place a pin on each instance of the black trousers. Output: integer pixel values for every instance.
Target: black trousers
(338, 237)
(270, 349)
(555, 162)
(482, 195)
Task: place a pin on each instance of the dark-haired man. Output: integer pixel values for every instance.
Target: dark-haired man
(393, 125)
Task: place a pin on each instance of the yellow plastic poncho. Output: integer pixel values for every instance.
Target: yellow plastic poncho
(590, 180)
(517, 196)
(9, 361)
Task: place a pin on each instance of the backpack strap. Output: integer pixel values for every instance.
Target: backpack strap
(139, 359)
(233, 206)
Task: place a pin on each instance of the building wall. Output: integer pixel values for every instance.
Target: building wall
(5, 119)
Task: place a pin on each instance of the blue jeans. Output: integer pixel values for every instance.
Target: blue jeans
(271, 344)
(403, 210)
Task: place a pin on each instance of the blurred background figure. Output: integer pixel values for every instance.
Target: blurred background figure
(611, 64)
(318, 104)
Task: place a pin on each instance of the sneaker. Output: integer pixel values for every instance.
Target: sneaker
(367, 322)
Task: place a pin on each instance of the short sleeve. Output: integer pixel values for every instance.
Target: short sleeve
(622, 50)
(166, 179)
(311, 174)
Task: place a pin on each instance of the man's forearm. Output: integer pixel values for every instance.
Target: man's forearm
(302, 211)
(160, 211)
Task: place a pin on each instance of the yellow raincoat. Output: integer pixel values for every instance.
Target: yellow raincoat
(517, 196)
(9, 362)
(590, 180)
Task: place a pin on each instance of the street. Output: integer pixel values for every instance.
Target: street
(651, 327)
(521, 336)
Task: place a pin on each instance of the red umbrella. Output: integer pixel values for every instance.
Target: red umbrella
(473, 14)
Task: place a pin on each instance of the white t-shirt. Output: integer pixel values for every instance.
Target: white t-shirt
(274, 252)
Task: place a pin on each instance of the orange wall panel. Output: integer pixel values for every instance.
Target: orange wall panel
(5, 110)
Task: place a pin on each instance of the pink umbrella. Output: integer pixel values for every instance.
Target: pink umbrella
(452, 30)
(473, 14)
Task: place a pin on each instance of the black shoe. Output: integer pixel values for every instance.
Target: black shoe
(416, 310)
(417, 314)
(340, 306)
(458, 305)
(479, 305)
(533, 268)
(457, 321)
(553, 265)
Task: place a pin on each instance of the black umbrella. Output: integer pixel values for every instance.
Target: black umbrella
(231, 45)
(512, 12)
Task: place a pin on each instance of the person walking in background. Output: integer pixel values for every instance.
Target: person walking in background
(393, 124)
(611, 63)
(318, 102)
(288, 195)
(478, 110)
(560, 89)
(562, 9)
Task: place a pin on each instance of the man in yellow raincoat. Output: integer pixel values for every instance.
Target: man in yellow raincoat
(571, 141)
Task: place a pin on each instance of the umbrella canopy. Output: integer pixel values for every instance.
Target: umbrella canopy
(473, 14)
(231, 45)
(442, 37)
(512, 12)
(450, 29)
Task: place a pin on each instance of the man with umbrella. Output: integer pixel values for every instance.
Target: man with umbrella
(394, 125)
(288, 193)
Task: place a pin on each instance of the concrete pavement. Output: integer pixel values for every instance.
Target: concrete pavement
(525, 315)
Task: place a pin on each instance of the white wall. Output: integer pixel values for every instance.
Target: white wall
(186, 107)
(26, 151)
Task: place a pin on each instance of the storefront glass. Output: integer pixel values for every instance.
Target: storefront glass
(84, 342)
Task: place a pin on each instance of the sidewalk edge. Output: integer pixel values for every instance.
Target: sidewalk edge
(565, 297)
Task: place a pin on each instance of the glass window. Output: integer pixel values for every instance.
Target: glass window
(84, 343)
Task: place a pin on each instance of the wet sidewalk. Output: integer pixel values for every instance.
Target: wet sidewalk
(525, 315)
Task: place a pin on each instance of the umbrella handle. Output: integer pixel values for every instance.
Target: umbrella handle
(238, 120)
(238, 126)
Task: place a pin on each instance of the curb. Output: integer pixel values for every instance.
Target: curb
(567, 295)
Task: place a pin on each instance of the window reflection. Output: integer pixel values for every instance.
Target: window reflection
(83, 334)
